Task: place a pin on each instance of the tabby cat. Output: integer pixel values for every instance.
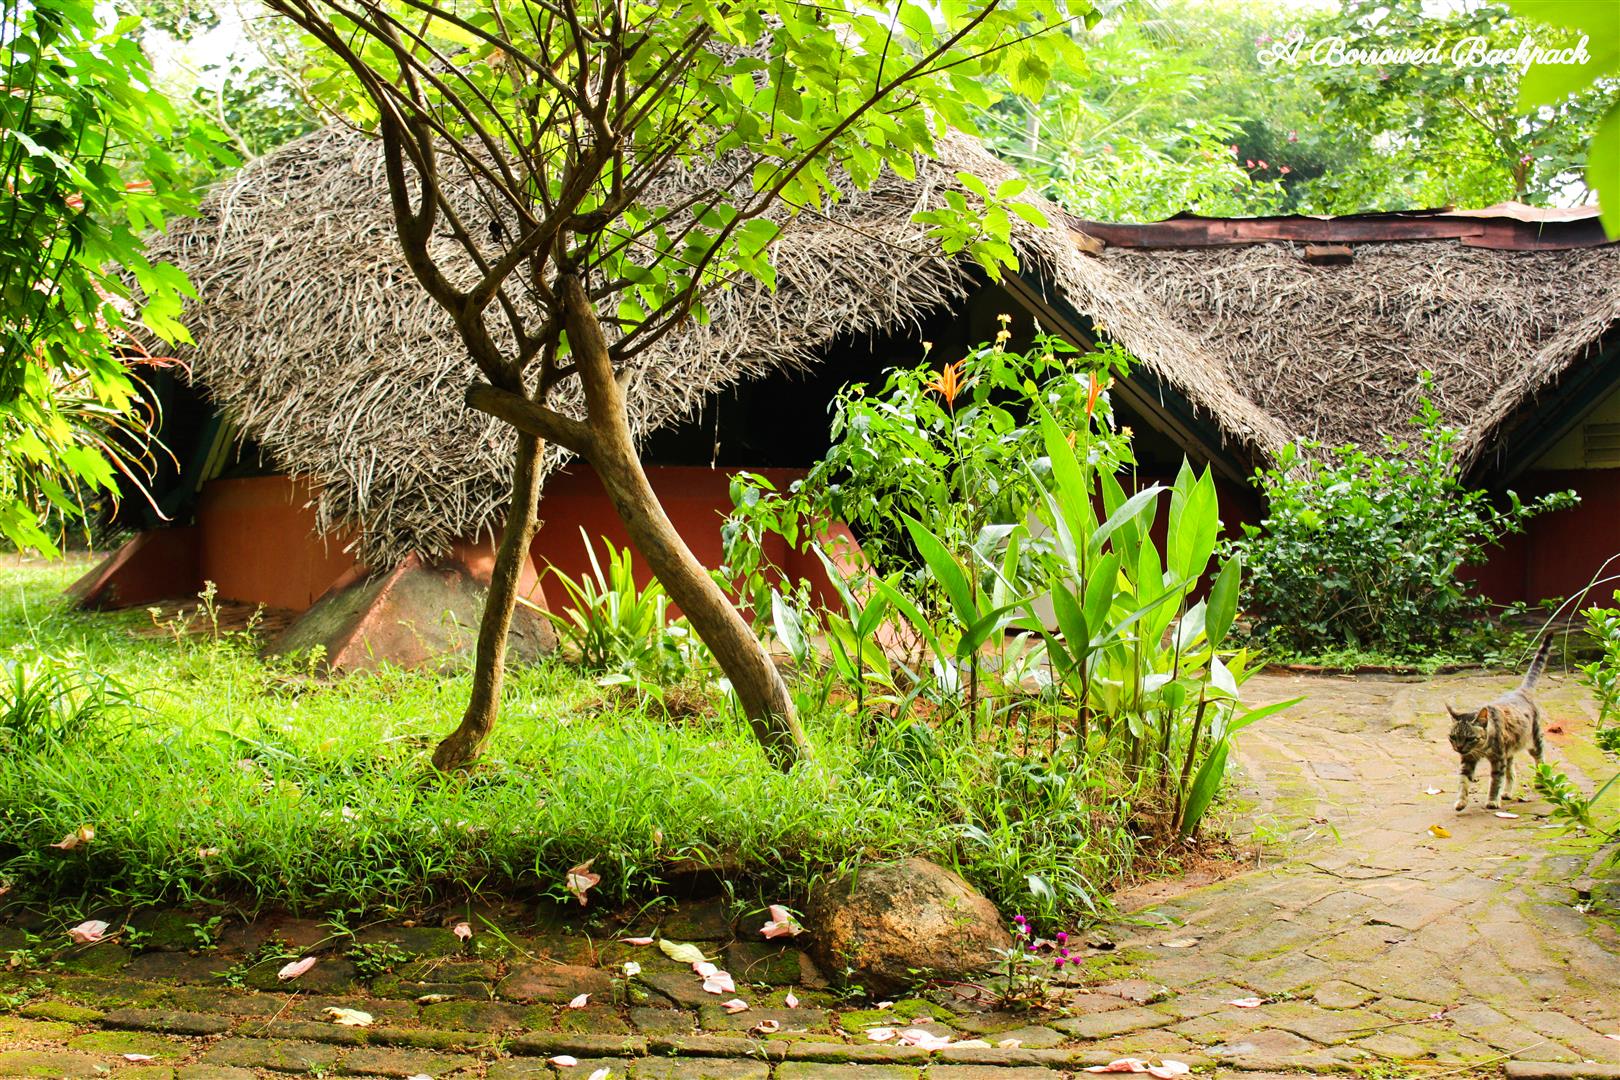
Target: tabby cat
(1499, 732)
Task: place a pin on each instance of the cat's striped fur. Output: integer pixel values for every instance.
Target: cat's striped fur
(1499, 732)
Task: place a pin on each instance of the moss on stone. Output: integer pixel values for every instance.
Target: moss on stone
(129, 1042)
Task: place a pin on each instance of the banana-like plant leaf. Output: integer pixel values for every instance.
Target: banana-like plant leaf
(1204, 786)
(946, 570)
(1223, 600)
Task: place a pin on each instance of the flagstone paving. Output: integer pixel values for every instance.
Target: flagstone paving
(1362, 941)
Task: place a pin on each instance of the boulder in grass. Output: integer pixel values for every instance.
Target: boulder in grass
(891, 925)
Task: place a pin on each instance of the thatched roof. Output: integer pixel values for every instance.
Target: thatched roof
(1333, 353)
(318, 342)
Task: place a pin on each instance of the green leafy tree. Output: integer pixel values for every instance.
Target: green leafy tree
(1126, 131)
(568, 118)
(1443, 133)
(1545, 86)
(85, 169)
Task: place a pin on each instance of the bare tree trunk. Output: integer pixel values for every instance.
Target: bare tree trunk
(737, 649)
(465, 745)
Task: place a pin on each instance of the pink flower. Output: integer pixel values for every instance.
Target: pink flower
(462, 930)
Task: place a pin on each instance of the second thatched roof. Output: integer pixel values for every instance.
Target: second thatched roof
(1325, 326)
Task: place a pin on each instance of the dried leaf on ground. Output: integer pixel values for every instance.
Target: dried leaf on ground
(681, 952)
(348, 1017)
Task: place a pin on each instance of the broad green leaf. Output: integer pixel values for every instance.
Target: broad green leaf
(1223, 600)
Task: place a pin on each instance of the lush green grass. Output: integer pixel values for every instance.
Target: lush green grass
(317, 795)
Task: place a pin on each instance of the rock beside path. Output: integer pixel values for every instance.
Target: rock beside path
(892, 925)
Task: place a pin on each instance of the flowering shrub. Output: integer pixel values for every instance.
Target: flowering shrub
(1032, 964)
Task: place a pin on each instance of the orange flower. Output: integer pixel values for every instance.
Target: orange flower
(948, 383)
(1095, 391)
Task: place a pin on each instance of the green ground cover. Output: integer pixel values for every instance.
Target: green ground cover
(238, 781)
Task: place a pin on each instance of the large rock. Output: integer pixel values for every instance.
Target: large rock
(895, 924)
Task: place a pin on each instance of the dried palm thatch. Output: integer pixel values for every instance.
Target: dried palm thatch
(315, 338)
(1335, 353)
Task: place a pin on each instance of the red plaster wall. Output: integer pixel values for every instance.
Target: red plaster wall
(697, 499)
(1560, 552)
(257, 542)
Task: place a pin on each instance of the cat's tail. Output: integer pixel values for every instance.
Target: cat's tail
(1538, 665)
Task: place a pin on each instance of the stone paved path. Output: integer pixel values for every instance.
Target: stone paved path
(1371, 945)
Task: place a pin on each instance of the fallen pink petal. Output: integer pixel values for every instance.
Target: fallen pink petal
(82, 835)
(1167, 1069)
(295, 969)
(88, 933)
(1247, 1003)
(719, 983)
(735, 1005)
(705, 969)
(580, 1002)
(563, 1061)
(580, 880)
(137, 1057)
(781, 924)
(462, 930)
(881, 1034)
(791, 1001)
(637, 940)
(767, 1027)
(1125, 1065)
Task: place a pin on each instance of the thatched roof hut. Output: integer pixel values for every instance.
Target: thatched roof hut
(316, 341)
(1324, 326)
(318, 345)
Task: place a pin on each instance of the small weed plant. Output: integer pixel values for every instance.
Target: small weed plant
(1365, 550)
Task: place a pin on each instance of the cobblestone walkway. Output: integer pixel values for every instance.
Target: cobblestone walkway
(1360, 942)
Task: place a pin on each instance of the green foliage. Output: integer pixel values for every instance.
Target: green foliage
(1204, 107)
(1364, 550)
(616, 627)
(1548, 87)
(85, 169)
(49, 702)
(373, 958)
(316, 794)
(1569, 804)
(788, 95)
(1137, 128)
(952, 447)
(974, 490)
(1602, 675)
(1441, 133)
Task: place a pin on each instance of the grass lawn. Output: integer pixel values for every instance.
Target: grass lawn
(248, 783)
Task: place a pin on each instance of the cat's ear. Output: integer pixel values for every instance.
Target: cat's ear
(1483, 717)
(1456, 713)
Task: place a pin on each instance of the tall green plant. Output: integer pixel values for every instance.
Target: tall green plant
(85, 169)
